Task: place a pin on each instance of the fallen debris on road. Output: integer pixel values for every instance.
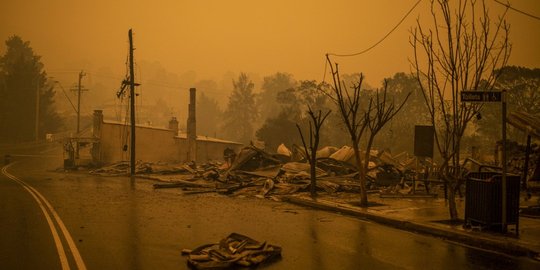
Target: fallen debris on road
(234, 250)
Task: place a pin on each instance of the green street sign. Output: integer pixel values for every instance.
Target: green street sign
(481, 96)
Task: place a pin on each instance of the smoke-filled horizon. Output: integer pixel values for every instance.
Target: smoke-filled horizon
(209, 39)
(208, 44)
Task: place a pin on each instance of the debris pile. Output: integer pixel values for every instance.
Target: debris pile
(122, 168)
(254, 172)
(516, 157)
(234, 250)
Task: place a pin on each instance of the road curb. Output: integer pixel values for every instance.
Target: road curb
(498, 245)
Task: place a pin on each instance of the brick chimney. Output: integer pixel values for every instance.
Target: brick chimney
(98, 120)
(192, 126)
(173, 125)
(96, 133)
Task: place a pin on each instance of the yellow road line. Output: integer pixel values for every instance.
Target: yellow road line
(76, 255)
(43, 204)
(57, 241)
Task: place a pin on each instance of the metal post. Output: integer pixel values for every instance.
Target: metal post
(504, 169)
(132, 104)
(415, 177)
(79, 104)
(36, 131)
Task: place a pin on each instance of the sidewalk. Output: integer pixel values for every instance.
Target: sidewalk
(428, 216)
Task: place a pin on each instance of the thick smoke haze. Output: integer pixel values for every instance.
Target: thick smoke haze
(179, 43)
(213, 37)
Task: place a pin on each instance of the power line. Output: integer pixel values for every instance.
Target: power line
(158, 84)
(517, 10)
(64, 91)
(382, 39)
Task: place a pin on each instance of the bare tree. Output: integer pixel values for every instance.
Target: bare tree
(315, 124)
(462, 50)
(353, 117)
(379, 112)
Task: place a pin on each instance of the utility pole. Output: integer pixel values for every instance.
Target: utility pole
(131, 82)
(81, 74)
(132, 103)
(79, 90)
(36, 131)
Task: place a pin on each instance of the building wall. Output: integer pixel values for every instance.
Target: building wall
(151, 144)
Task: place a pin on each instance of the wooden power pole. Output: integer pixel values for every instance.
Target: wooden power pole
(36, 131)
(79, 90)
(132, 103)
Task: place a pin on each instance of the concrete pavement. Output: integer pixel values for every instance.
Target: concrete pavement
(429, 216)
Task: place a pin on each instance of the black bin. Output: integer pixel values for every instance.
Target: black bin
(483, 199)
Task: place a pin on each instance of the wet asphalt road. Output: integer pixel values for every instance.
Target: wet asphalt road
(119, 223)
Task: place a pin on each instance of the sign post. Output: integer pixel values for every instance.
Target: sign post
(494, 96)
(503, 184)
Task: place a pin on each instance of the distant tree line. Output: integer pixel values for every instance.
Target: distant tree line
(271, 114)
(26, 95)
(267, 112)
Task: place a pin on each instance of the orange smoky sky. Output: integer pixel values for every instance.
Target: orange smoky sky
(213, 37)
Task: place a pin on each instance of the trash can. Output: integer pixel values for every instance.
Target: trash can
(483, 199)
(7, 159)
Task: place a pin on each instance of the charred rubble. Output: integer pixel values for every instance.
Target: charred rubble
(255, 172)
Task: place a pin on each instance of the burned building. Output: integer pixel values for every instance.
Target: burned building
(156, 144)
